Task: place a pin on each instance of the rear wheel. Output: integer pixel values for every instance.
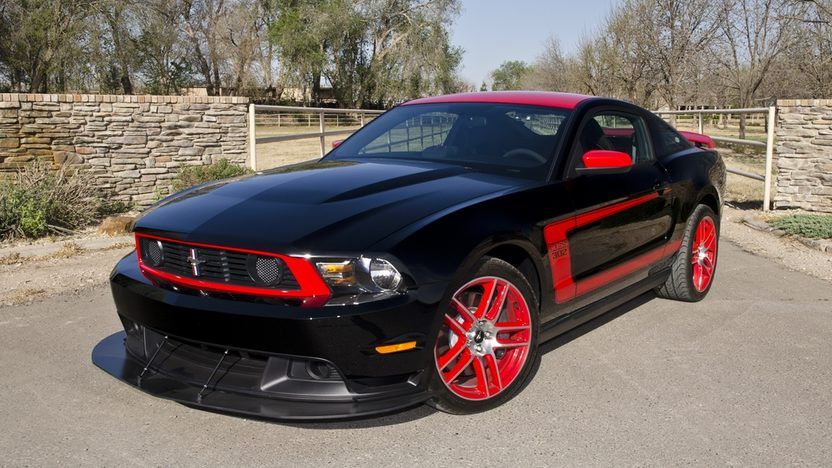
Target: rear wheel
(693, 270)
(487, 345)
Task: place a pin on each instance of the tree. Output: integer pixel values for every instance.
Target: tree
(38, 39)
(550, 72)
(510, 75)
(372, 52)
(673, 36)
(754, 35)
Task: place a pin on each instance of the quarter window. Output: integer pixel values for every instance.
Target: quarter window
(668, 141)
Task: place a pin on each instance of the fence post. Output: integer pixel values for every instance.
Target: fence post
(702, 123)
(772, 113)
(362, 118)
(323, 138)
(252, 139)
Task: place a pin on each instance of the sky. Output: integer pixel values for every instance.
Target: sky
(493, 31)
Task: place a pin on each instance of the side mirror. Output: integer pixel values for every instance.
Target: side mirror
(336, 143)
(605, 162)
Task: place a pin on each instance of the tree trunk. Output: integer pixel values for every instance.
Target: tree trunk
(316, 89)
(126, 84)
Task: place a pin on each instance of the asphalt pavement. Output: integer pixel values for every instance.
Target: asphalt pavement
(742, 378)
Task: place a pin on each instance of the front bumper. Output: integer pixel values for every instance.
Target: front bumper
(254, 358)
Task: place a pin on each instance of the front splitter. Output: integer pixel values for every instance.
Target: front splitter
(111, 356)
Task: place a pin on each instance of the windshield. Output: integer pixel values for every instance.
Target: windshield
(512, 139)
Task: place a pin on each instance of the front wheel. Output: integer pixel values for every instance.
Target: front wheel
(486, 348)
(693, 269)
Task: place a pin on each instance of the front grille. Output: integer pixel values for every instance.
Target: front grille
(214, 264)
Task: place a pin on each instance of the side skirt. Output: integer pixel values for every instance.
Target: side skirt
(572, 320)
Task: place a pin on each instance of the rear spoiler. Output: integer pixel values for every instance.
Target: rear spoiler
(698, 139)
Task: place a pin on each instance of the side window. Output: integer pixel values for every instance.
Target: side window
(617, 132)
(667, 140)
(413, 135)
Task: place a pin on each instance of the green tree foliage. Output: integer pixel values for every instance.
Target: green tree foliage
(372, 52)
(510, 75)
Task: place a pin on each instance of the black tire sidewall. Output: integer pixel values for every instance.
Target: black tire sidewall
(444, 399)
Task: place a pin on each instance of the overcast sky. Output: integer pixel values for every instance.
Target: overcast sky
(492, 31)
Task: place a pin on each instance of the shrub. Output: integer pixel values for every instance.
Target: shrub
(195, 175)
(37, 200)
(812, 226)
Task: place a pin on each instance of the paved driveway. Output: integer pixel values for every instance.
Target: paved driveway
(744, 377)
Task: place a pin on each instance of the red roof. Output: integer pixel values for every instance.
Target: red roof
(537, 98)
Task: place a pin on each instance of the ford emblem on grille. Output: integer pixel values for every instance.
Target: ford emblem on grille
(195, 262)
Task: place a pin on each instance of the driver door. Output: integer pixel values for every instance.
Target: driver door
(622, 220)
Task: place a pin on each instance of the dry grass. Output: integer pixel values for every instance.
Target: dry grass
(119, 246)
(271, 155)
(68, 250)
(12, 259)
(24, 295)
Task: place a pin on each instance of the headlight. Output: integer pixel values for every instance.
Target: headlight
(384, 274)
(358, 280)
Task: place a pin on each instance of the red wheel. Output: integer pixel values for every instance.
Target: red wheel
(487, 340)
(703, 259)
(693, 269)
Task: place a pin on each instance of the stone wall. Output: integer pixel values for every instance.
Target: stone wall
(804, 155)
(132, 145)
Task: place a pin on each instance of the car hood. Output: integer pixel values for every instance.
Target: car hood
(325, 206)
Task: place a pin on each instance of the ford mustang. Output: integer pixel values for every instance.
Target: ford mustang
(425, 259)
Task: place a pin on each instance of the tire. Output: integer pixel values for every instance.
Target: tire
(692, 272)
(484, 355)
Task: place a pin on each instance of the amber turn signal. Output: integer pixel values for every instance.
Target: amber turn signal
(395, 348)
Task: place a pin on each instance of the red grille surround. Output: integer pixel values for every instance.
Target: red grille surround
(313, 292)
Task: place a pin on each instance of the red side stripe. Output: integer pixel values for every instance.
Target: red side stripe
(560, 255)
(617, 272)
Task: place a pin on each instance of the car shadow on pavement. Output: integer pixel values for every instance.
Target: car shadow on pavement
(597, 322)
(423, 411)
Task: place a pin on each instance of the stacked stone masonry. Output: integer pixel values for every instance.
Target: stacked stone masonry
(132, 145)
(804, 155)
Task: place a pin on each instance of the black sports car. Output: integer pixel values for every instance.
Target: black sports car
(424, 259)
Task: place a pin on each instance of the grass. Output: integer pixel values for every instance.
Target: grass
(11, 259)
(39, 200)
(195, 175)
(805, 225)
(68, 250)
(22, 296)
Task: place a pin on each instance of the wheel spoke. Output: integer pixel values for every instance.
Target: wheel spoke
(467, 316)
(498, 302)
(445, 359)
(494, 370)
(516, 340)
(464, 361)
(710, 237)
(510, 326)
(707, 264)
(487, 294)
(457, 328)
(479, 375)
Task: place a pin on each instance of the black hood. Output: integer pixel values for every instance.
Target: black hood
(326, 206)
